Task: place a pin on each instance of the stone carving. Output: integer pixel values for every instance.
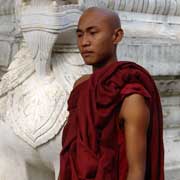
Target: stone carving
(34, 91)
(39, 103)
(163, 7)
(36, 105)
(6, 7)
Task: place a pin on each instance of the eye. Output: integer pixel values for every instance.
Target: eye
(93, 32)
(79, 35)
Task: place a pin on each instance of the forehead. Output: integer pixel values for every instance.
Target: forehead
(93, 19)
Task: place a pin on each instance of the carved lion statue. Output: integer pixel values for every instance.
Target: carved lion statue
(34, 92)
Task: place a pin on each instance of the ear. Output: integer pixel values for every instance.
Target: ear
(118, 35)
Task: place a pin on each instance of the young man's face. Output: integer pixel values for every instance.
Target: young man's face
(95, 38)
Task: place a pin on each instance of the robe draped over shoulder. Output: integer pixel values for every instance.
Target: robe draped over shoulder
(93, 145)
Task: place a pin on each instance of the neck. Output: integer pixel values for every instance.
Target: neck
(104, 63)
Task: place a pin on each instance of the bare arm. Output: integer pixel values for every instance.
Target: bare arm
(135, 114)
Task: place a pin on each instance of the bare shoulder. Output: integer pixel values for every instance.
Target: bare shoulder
(134, 99)
(81, 80)
(134, 109)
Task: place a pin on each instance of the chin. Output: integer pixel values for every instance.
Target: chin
(89, 61)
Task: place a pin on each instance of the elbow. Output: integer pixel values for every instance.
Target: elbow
(136, 173)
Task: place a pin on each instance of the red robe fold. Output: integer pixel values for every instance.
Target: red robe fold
(93, 145)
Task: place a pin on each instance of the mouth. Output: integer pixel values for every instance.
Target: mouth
(86, 53)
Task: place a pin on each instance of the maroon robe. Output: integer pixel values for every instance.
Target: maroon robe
(93, 145)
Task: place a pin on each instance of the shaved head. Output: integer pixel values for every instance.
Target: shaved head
(98, 33)
(111, 17)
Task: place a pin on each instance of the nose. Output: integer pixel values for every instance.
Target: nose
(85, 40)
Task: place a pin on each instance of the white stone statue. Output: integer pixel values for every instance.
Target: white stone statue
(34, 91)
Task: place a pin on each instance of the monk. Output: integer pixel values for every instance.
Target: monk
(114, 129)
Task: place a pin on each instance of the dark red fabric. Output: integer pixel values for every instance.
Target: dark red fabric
(93, 146)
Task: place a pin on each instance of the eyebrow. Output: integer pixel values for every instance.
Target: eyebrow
(87, 29)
